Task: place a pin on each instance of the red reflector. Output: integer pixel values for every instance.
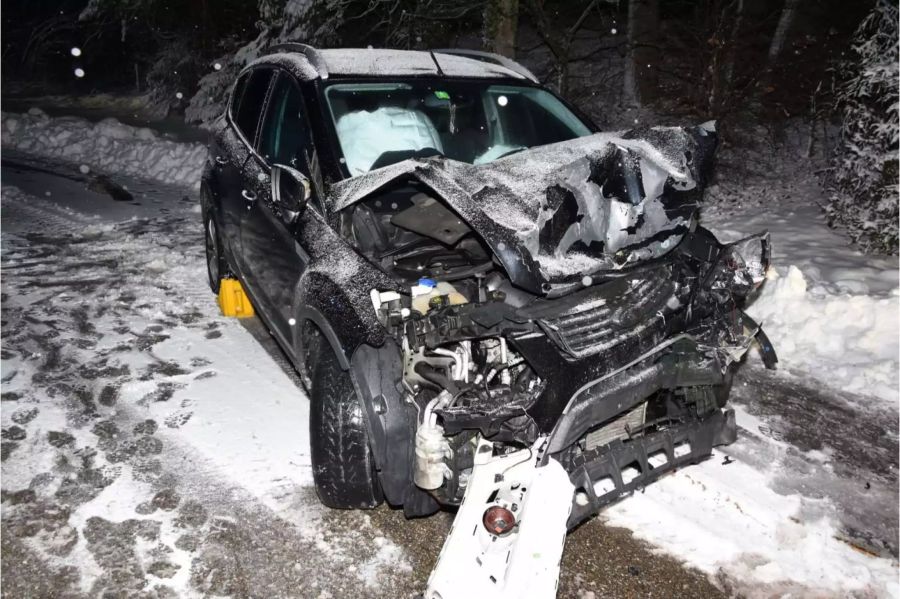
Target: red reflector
(498, 520)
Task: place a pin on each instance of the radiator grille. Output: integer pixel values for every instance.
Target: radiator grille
(600, 323)
(617, 429)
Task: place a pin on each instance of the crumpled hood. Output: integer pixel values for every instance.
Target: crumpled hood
(557, 213)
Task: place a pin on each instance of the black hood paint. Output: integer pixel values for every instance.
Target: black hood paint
(556, 213)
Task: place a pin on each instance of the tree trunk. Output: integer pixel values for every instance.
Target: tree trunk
(501, 22)
(643, 54)
(784, 25)
(733, 43)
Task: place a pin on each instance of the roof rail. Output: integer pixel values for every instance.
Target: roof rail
(503, 61)
(311, 54)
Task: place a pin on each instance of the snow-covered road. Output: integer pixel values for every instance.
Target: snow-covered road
(151, 445)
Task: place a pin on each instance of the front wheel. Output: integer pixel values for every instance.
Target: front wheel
(216, 266)
(342, 460)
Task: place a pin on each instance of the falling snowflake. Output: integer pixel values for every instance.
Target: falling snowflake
(76, 51)
(79, 72)
(217, 67)
(84, 169)
(179, 95)
(614, 31)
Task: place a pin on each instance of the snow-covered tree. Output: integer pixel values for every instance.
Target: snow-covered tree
(307, 21)
(864, 174)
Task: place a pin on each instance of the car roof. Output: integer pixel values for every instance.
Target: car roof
(375, 63)
(311, 63)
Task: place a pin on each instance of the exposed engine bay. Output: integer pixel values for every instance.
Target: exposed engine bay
(563, 305)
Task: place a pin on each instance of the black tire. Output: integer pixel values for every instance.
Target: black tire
(216, 265)
(342, 460)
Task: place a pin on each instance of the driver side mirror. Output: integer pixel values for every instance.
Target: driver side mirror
(290, 191)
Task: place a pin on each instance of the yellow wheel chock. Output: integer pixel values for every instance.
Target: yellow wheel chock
(232, 299)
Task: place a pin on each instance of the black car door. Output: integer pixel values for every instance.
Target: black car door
(269, 243)
(234, 151)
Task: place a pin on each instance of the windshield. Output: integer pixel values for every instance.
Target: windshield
(378, 124)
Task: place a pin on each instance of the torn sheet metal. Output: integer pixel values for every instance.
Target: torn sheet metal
(565, 210)
(524, 563)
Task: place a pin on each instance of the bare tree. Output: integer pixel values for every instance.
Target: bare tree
(501, 22)
(784, 25)
(641, 78)
(735, 36)
(560, 43)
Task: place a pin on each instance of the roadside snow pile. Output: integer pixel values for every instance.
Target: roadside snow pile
(849, 341)
(830, 310)
(107, 146)
(727, 521)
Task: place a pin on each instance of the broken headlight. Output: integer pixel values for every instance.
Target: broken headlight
(752, 253)
(742, 265)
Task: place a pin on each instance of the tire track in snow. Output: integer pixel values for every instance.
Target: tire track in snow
(91, 438)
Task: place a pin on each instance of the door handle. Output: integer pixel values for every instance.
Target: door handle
(221, 161)
(248, 195)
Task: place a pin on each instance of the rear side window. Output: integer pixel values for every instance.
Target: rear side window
(250, 107)
(284, 134)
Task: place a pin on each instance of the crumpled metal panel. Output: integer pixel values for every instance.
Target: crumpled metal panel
(556, 213)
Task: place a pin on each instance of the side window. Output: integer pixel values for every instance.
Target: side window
(284, 134)
(251, 105)
(237, 93)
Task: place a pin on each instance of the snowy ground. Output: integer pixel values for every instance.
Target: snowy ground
(152, 446)
(155, 448)
(126, 398)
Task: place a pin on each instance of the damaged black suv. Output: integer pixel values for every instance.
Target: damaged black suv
(457, 263)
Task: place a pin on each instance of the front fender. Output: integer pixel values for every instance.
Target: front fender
(376, 374)
(343, 313)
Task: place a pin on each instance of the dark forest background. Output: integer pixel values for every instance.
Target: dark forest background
(817, 78)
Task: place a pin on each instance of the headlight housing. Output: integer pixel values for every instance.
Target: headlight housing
(753, 255)
(742, 265)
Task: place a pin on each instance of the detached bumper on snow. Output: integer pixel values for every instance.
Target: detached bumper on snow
(522, 562)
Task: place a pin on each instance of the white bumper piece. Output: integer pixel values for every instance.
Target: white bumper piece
(524, 563)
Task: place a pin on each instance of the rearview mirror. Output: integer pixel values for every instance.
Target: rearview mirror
(290, 191)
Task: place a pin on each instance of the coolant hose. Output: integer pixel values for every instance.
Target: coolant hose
(431, 375)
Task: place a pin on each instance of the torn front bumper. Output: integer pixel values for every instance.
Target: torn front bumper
(633, 456)
(606, 474)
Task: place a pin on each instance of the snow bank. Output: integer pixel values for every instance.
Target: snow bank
(848, 341)
(107, 146)
(830, 311)
(726, 520)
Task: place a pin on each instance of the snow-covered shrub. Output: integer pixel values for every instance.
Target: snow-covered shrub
(864, 174)
(307, 21)
(173, 75)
